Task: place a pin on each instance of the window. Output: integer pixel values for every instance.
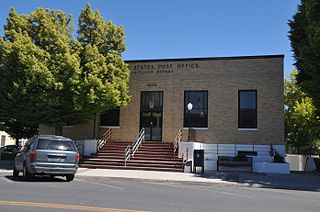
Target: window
(27, 144)
(111, 118)
(62, 145)
(151, 100)
(3, 140)
(247, 110)
(198, 116)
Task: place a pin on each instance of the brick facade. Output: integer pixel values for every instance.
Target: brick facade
(222, 78)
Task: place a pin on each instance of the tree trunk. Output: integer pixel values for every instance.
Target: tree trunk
(17, 141)
(94, 126)
(58, 130)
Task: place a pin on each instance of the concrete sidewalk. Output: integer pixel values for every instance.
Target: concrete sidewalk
(150, 175)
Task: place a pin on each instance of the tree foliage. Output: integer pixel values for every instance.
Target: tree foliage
(17, 129)
(304, 35)
(49, 77)
(302, 125)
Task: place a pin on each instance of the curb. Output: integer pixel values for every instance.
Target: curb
(296, 188)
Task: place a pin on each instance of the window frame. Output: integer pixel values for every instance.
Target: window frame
(154, 108)
(205, 107)
(256, 110)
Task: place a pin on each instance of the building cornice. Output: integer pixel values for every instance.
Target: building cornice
(208, 58)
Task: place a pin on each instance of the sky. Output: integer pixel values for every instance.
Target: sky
(187, 28)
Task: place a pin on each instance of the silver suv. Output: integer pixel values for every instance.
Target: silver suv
(47, 155)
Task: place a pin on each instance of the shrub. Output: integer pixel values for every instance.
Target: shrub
(277, 158)
(225, 158)
(241, 157)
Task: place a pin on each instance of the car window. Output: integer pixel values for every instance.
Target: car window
(62, 145)
(27, 145)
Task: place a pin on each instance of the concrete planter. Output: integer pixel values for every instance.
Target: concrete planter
(210, 165)
(269, 167)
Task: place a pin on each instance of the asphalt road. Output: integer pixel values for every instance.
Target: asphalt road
(104, 194)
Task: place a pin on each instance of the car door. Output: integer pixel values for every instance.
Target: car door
(22, 154)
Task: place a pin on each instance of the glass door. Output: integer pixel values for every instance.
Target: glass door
(151, 114)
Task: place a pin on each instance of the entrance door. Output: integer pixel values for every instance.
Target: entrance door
(151, 114)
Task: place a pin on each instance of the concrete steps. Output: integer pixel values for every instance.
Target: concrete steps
(153, 156)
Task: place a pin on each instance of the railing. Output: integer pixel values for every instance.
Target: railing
(177, 140)
(132, 148)
(127, 154)
(185, 155)
(236, 149)
(106, 137)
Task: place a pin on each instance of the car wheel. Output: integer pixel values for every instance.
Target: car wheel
(70, 177)
(25, 173)
(15, 172)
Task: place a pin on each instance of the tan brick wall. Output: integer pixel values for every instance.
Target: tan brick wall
(222, 78)
(77, 132)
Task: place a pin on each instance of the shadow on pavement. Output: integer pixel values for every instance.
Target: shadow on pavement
(225, 176)
(293, 181)
(36, 179)
(6, 164)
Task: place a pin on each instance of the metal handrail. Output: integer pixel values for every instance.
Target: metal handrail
(131, 149)
(105, 138)
(185, 155)
(177, 140)
(138, 142)
(127, 154)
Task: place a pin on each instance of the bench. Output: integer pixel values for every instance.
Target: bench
(226, 161)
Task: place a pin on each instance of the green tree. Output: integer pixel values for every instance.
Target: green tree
(17, 129)
(48, 77)
(100, 44)
(304, 35)
(302, 125)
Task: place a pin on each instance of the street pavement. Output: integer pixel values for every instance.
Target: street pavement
(294, 181)
(88, 193)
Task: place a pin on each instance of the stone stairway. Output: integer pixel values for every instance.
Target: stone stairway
(151, 155)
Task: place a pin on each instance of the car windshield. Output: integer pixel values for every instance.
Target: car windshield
(62, 145)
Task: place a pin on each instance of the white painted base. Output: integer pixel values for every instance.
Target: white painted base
(212, 151)
(188, 167)
(267, 167)
(301, 163)
(210, 165)
(90, 146)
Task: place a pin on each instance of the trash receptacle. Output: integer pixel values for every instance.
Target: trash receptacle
(198, 159)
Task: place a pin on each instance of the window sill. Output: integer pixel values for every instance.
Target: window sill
(248, 129)
(195, 128)
(112, 127)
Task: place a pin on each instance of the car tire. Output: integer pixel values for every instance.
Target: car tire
(70, 177)
(15, 172)
(25, 174)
